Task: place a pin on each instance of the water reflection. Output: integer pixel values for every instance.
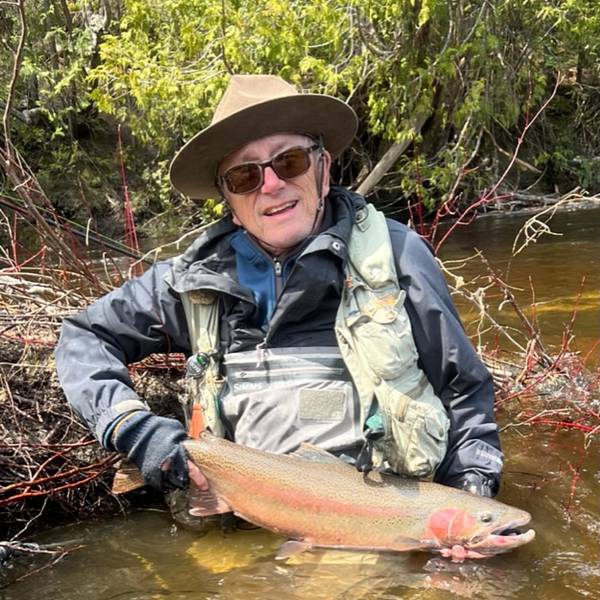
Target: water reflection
(551, 278)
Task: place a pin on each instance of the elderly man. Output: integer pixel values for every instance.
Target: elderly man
(307, 316)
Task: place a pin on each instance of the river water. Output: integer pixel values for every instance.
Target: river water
(554, 473)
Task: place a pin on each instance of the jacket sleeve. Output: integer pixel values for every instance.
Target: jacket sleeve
(142, 317)
(446, 355)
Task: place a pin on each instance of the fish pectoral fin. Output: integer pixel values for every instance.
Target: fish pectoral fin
(204, 503)
(292, 548)
(404, 544)
(313, 453)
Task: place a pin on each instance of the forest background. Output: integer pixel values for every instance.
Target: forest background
(447, 93)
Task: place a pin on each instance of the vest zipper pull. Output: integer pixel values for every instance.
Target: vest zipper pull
(364, 460)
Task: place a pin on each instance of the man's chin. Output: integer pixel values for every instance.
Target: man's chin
(279, 245)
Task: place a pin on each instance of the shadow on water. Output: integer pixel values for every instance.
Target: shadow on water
(550, 473)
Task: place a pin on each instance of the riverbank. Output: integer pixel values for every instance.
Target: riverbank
(527, 203)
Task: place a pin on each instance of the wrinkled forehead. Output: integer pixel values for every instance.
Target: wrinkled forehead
(263, 148)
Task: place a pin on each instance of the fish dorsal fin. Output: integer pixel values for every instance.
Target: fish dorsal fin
(313, 453)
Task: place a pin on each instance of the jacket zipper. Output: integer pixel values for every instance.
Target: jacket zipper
(278, 268)
(262, 347)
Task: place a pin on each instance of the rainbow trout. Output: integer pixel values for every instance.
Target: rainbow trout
(317, 500)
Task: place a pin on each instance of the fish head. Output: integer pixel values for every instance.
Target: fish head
(477, 529)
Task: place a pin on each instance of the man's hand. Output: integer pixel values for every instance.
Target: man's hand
(197, 478)
(475, 483)
(154, 445)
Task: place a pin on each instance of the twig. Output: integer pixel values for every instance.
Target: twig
(490, 195)
(18, 59)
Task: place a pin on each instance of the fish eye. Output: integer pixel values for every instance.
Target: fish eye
(486, 517)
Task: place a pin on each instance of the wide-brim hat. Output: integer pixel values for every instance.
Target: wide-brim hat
(252, 107)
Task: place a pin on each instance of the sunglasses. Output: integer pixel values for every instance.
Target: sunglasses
(248, 177)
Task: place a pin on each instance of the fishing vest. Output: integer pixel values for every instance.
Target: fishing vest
(397, 409)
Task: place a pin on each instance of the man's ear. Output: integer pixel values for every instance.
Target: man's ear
(325, 174)
(234, 218)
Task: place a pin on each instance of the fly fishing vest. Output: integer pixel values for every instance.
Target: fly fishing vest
(202, 381)
(405, 422)
(375, 338)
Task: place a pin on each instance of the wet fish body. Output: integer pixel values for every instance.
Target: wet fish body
(317, 500)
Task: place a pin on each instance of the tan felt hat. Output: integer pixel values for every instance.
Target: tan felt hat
(252, 107)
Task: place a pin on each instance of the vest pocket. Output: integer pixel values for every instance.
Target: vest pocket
(381, 330)
(415, 431)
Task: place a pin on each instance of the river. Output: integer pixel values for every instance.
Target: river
(551, 472)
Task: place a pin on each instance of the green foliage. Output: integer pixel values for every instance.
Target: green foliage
(478, 70)
(53, 113)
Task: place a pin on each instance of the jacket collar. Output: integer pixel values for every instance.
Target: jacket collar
(211, 253)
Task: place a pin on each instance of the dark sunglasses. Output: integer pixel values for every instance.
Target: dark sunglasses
(248, 177)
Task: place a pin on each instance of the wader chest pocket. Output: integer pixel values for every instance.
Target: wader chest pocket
(296, 395)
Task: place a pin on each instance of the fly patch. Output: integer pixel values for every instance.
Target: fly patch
(321, 405)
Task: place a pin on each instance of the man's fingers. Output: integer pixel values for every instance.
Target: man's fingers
(197, 478)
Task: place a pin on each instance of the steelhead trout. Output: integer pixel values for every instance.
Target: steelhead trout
(317, 500)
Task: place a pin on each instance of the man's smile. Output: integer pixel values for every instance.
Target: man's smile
(276, 210)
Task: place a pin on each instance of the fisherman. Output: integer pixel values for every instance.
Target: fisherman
(305, 314)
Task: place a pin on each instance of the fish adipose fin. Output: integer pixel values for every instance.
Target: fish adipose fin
(313, 453)
(292, 548)
(205, 503)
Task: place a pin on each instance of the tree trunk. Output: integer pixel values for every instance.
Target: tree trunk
(391, 156)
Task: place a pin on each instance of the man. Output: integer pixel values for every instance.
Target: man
(331, 325)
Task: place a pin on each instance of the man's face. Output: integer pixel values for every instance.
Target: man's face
(281, 212)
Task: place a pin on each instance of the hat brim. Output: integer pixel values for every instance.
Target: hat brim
(193, 170)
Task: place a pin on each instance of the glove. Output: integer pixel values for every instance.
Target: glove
(475, 483)
(153, 444)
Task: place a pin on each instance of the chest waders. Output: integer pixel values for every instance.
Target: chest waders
(390, 401)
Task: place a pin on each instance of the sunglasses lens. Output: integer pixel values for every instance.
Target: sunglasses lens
(291, 163)
(248, 177)
(243, 179)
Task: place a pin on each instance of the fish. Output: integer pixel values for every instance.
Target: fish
(316, 500)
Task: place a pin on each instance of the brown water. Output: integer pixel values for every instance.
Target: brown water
(552, 278)
(551, 473)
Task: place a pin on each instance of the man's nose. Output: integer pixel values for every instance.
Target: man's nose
(271, 181)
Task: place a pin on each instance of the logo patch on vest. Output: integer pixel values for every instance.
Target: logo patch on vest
(321, 405)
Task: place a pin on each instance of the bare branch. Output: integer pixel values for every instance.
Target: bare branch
(14, 78)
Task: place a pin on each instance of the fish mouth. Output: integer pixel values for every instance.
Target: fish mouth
(504, 538)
